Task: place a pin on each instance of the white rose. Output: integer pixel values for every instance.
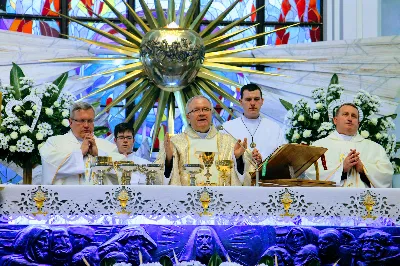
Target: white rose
(49, 111)
(24, 129)
(40, 145)
(65, 113)
(17, 108)
(13, 148)
(378, 136)
(365, 134)
(34, 108)
(296, 136)
(294, 123)
(65, 123)
(319, 105)
(39, 136)
(300, 118)
(28, 112)
(56, 104)
(307, 133)
(14, 135)
(316, 116)
(374, 121)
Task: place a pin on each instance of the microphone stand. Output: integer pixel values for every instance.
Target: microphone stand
(253, 162)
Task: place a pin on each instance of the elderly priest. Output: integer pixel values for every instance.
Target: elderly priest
(66, 158)
(352, 161)
(200, 137)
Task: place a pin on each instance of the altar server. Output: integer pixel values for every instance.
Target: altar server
(66, 158)
(263, 134)
(201, 136)
(125, 140)
(352, 161)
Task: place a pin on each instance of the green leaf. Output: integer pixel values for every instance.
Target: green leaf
(288, 106)
(267, 260)
(15, 74)
(107, 262)
(98, 131)
(334, 79)
(165, 261)
(314, 262)
(59, 82)
(215, 260)
(398, 145)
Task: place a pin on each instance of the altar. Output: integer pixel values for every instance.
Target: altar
(241, 224)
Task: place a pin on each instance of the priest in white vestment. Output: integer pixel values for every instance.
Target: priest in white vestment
(352, 161)
(202, 136)
(125, 140)
(263, 134)
(66, 158)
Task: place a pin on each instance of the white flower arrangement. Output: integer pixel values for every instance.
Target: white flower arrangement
(145, 264)
(230, 264)
(30, 115)
(306, 125)
(190, 263)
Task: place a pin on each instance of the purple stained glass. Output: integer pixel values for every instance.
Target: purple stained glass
(31, 7)
(241, 9)
(37, 27)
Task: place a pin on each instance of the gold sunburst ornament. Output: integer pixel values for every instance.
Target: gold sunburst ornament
(170, 60)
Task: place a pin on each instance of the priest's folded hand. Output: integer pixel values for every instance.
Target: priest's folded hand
(256, 156)
(351, 160)
(240, 147)
(85, 147)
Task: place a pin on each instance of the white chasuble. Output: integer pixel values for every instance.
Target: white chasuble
(183, 154)
(377, 166)
(63, 162)
(266, 134)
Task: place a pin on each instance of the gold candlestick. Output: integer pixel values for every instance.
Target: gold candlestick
(193, 170)
(224, 166)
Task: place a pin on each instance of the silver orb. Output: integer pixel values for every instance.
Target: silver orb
(172, 57)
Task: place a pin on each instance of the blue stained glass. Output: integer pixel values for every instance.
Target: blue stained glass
(241, 9)
(292, 35)
(293, 11)
(8, 176)
(31, 7)
(37, 27)
(80, 8)
(164, 4)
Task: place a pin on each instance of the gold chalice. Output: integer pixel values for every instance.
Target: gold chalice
(192, 170)
(127, 167)
(224, 167)
(150, 170)
(208, 160)
(100, 165)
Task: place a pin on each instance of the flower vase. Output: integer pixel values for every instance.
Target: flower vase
(27, 175)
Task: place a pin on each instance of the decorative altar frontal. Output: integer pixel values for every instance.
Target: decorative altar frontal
(59, 225)
(171, 205)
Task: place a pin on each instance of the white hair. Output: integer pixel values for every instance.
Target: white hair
(197, 97)
(80, 106)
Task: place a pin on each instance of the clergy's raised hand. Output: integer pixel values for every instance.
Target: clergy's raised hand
(351, 160)
(240, 147)
(256, 156)
(169, 152)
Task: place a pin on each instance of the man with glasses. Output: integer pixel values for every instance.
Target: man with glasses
(66, 158)
(264, 135)
(123, 137)
(201, 136)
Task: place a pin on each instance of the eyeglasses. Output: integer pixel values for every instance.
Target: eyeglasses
(83, 121)
(198, 111)
(125, 137)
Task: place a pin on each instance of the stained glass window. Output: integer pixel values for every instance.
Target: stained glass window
(85, 8)
(31, 7)
(242, 9)
(37, 27)
(293, 11)
(164, 4)
(293, 35)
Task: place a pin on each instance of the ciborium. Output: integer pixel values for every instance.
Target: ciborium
(126, 168)
(172, 56)
(224, 167)
(150, 170)
(100, 165)
(208, 159)
(192, 170)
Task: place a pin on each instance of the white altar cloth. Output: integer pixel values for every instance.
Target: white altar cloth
(175, 205)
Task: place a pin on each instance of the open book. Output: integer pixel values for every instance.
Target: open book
(290, 161)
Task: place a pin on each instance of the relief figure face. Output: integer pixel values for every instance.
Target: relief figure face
(204, 242)
(133, 246)
(62, 246)
(41, 247)
(296, 239)
(371, 248)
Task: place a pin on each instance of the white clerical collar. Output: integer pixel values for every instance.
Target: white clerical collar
(254, 121)
(344, 137)
(203, 135)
